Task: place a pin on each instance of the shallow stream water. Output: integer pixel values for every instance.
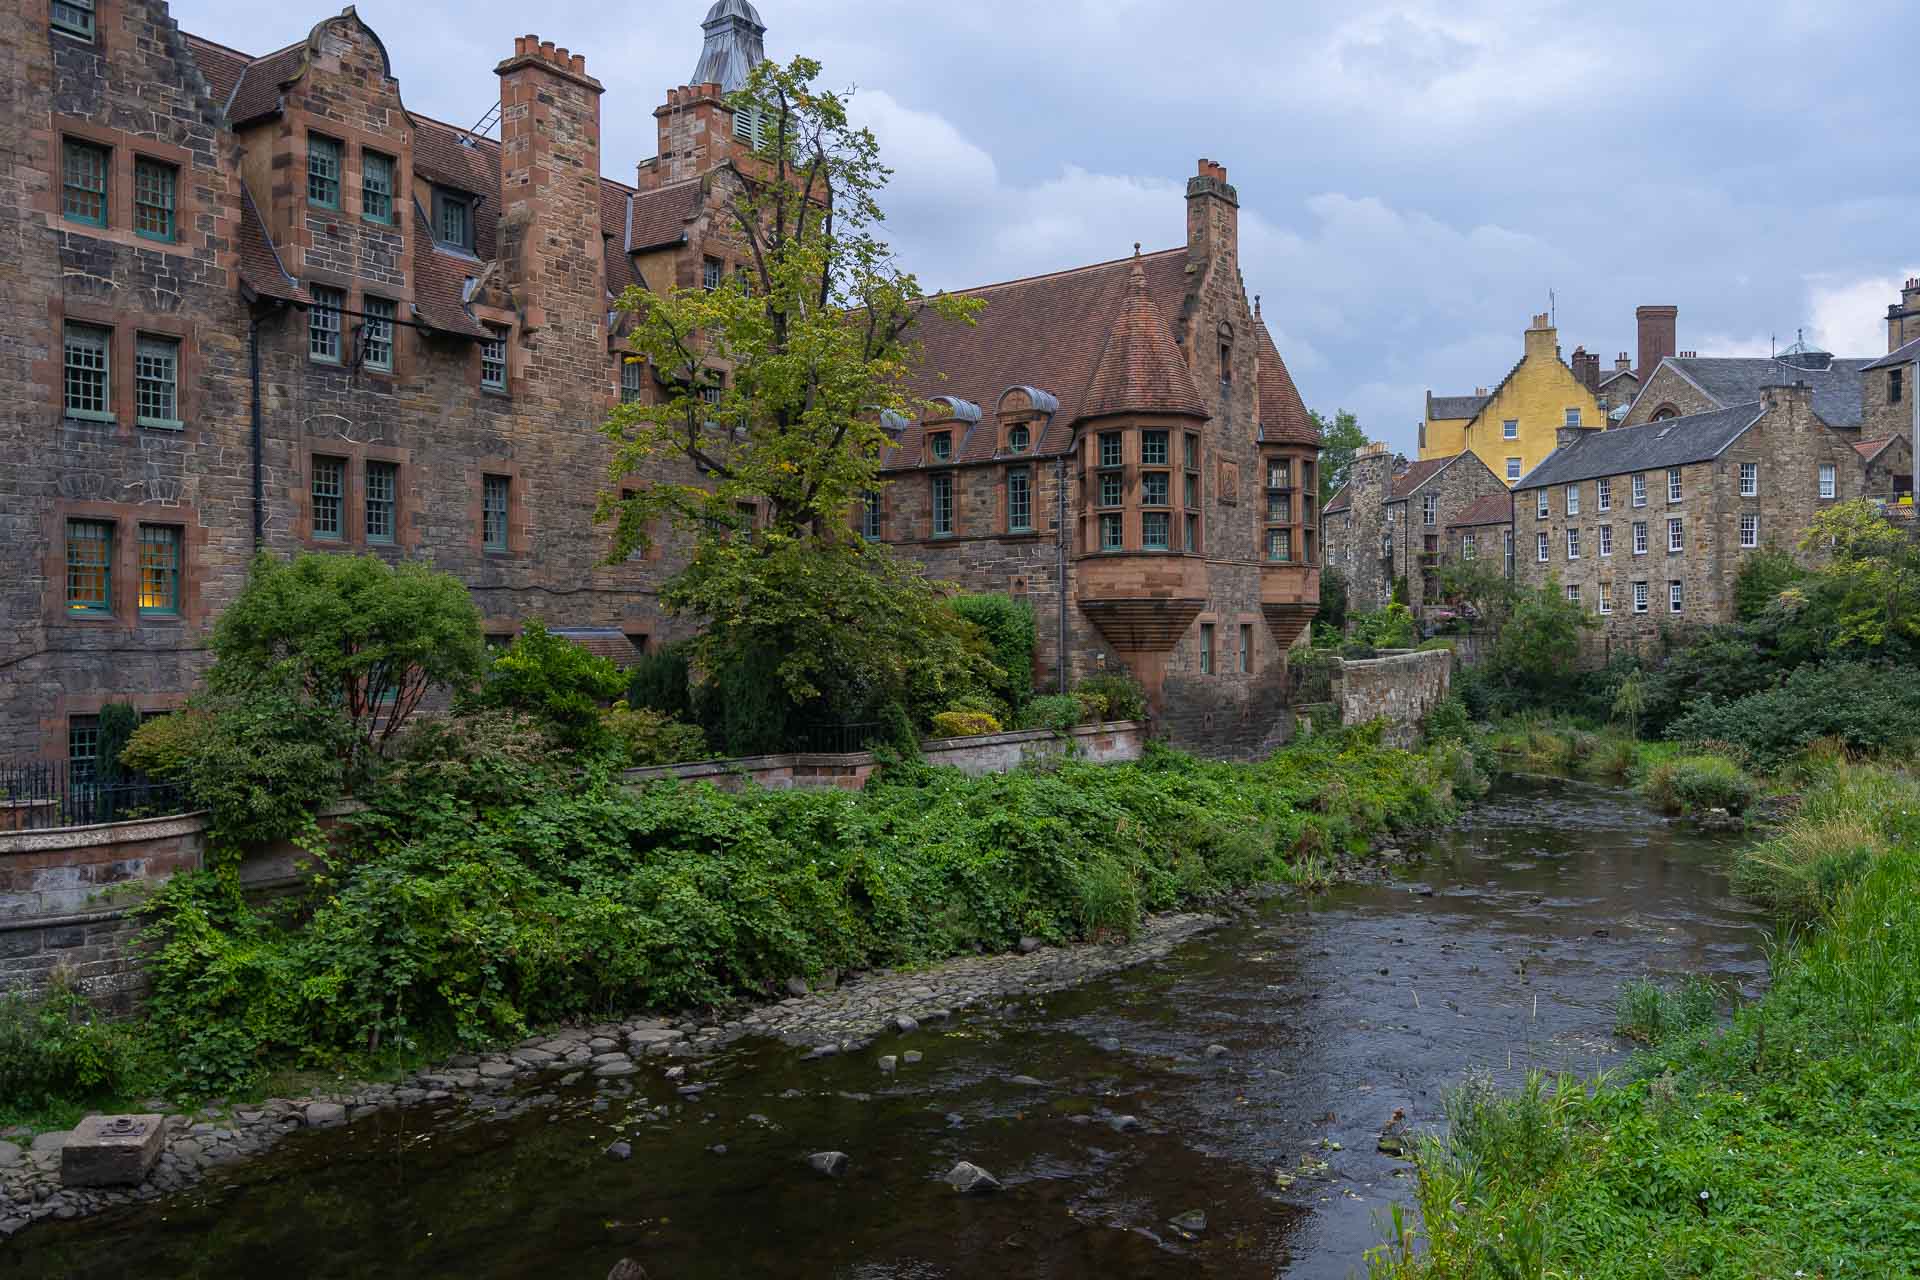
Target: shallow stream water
(1505, 954)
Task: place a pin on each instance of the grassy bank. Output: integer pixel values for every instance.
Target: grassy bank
(497, 884)
(1778, 1145)
(1675, 777)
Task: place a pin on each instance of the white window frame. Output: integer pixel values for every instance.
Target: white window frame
(1510, 429)
(1749, 479)
(1573, 416)
(1606, 540)
(1641, 597)
(1467, 549)
(1676, 534)
(1676, 596)
(1640, 489)
(1673, 484)
(1640, 542)
(1543, 547)
(1829, 486)
(1749, 528)
(1430, 509)
(1573, 544)
(1513, 468)
(1603, 493)
(1573, 499)
(1606, 599)
(1573, 593)
(493, 356)
(1540, 509)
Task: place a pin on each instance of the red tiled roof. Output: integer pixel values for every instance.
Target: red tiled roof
(1044, 331)
(1283, 415)
(660, 216)
(439, 282)
(258, 91)
(1338, 502)
(1495, 508)
(604, 642)
(1870, 449)
(1141, 369)
(260, 265)
(1417, 474)
(220, 66)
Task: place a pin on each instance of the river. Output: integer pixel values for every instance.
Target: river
(1505, 954)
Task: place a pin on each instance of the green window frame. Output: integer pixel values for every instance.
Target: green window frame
(453, 219)
(87, 379)
(1110, 488)
(1019, 500)
(383, 495)
(323, 324)
(156, 381)
(1110, 537)
(1155, 530)
(942, 505)
(376, 187)
(630, 371)
(1193, 532)
(870, 514)
(494, 494)
(90, 567)
(1153, 448)
(83, 181)
(1110, 449)
(940, 446)
(376, 334)
(1019, 438)
(329, 490)
(493, 359)
(160, 569)
(73, 18)
(83, 749)
(1206, 648)
(323, 171)
(1155, 489)
(155, 186)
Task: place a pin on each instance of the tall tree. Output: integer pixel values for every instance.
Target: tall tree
(773, 385)
(1339, 441)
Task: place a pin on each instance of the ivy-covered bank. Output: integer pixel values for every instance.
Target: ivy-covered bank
(496, 884)
(1781, 1144)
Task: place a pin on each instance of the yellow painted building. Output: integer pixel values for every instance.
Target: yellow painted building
(1512, 428)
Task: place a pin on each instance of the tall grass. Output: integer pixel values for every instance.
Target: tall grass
(1850, 817)
(1696, 783)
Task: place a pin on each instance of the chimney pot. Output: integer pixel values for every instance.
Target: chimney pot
(580, 63)
(561, 55)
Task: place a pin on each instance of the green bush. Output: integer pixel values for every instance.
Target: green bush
(647, 737)
(56, 1047)
(1056, 711)
(1696, 783)
(1119, 696)
(550, 676)
(1448, 721)
(1333, 602)
(1869, 708)
(1008, 626)
(1763, 576)
(662, 681)
(1390, 628)
(117, 722)
(963, 724)
(1652, 1014)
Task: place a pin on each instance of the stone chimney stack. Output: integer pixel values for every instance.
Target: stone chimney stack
(1542, 339)
(1659, 335)
(1903, 317)
(1213, 218)
(549, 238)
(1586, 367)
(1622, 362)
(1793, 398)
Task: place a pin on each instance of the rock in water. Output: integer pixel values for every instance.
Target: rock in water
(627, 1269)
(620, 1151)
(832, 1163)
(1026, 1082)
(904, 1025)
(796, 986)
(1216, 1051)
(888, 1062)
(971, 1177)
(1029, 945)
(1190, 1224)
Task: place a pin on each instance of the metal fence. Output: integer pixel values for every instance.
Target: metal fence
(839, 739)
(39, 794)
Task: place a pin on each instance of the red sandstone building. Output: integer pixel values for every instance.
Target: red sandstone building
(256, 300)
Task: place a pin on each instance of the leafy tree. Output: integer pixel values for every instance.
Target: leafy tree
(1630, 702)
(1333, 600)
(1762, 577)
(1870, 591)
(1008, 626)
(1540, 641)
(1481, 583)
(117, 722)
(358, 636)
(555, 679)
(1339, 441)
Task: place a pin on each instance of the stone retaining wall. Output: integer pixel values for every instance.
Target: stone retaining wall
(1399, 688)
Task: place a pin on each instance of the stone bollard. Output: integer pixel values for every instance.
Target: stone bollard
(111, 1151)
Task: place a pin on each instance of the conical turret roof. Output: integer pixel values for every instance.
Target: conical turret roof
(1141, 370)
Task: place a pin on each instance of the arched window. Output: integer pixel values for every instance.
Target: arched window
(1018, 438)
(1664, 412)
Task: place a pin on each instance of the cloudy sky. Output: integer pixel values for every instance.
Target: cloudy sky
(1414, 175)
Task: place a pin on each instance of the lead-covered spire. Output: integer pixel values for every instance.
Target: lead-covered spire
(734, 45)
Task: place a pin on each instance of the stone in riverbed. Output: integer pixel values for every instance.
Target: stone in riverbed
(1216, 1051)
(496, 1069)
(1027, 1081)
(1108, 1044)
(322, 1115)
(1029, 945)
(904, 1025)
(968, 1177)
(1125, 1124)
(888, 1062)
(619, 1151)
(111, 1151)
(796, 987)
(9, 1155)
(627, 1269)
(614, 1067)
(1189, 1224)
(831, 1163)
(910, 1058)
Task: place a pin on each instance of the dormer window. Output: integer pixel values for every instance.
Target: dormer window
(453, 218)
(1019, 438)
(940, 446)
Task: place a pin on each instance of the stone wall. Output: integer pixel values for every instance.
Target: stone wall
(1399, 688)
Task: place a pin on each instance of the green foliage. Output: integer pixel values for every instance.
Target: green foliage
(1058, 711)
(58, 1047)
(491, 887)
(1869, 595)
(364, 639)
(662, 681)
(1390, 628)
(1630, 702)
(555, 679)
(260, 758)
(1401, 594)
(1867, 707)
(1333, 602)
(1482, 583)
(1851, 817)
(117, 722)
(1339, 441)
(1762, 577)
(1448, 721)
(1653, 1014)
(1774, 1145)
(1541, 640)
(1007, 625)
(1695, 783)
(963, 724)
(648, 737)
(1112, 695)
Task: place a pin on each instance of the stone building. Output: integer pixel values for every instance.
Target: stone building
(1393, 519)
(1647, 525)
(256, 301)
(1689, 384)
(1511, 428)
(1122, 445)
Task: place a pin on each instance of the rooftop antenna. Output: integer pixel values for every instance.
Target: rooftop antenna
(1553, 317)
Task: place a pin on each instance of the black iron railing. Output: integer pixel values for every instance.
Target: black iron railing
(839, 739)
(38, 794)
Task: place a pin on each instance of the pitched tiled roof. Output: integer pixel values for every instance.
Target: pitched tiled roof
(1903, 355)
(1731, 380)
(1870, 449)
(1617, 374)
(1044, 331)
(1495, 508)
(614, 203)
(1338, 502)
(1417, 474)
(260, 265)
(258, 91)
(439, 282)
(1283, 415)
(606, 642)
(220, 66)
(1450, 407)
(1672, 442)
(1141, 369)
(660, 216)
